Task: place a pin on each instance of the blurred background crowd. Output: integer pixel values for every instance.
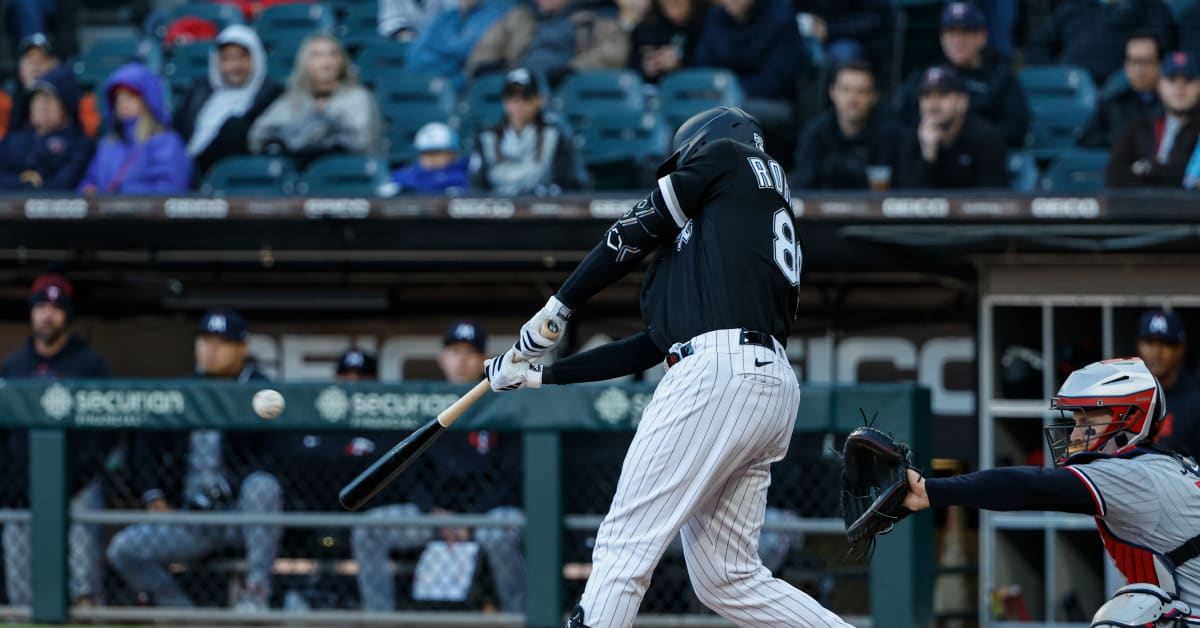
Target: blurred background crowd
(519, 97)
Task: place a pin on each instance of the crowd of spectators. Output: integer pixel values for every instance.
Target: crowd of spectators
(1136, 51)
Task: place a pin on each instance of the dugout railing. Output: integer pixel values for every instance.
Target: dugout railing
(899, 596)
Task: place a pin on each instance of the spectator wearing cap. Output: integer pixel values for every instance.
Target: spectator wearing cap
(550, 38)
(440, 167)
(443, 45)
(324, 111)
(1137, 98)
(1154, 152)
(468, 472)
(36, 57)
(994, 92)
(838, 145)
(526, 153)
(665, 38)
(952, 147)
(51, 151)
(1083, 33)
(205, 482)
(848, 29)
(215, 115)
(357, 365)
(1162, 344)
(141, 154)
(53, 352)
(26, 17)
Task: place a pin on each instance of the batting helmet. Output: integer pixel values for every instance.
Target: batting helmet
(1139, 605)
(707, 126)
(1120, 403)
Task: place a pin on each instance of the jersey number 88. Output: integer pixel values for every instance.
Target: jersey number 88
(788, 256)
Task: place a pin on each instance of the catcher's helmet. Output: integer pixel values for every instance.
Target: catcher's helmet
(1140, 605)
(714, 124)
(1128, 396)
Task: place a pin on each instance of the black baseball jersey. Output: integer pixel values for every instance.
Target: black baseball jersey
(736, 260)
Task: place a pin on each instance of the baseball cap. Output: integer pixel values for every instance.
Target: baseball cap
(36, 40)
(1161, 325)
(358, 360)
(520, 82)
(1181, 63)
(963, 15)
(53, 288)
(941, 78)
(223, 322)
(468, 332)
(435, 136)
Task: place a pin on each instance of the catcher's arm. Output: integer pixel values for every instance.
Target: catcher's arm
(1011, 488)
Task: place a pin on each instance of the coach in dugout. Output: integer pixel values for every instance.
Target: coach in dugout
(1162, 343)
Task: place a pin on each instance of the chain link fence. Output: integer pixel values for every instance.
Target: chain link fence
(447, 536)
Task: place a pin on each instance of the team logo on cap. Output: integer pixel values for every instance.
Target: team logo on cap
(464, 332)
(53, 293)
(1158, 324)
(354, 360)
(758, 142)
(216, 324)
(958, 9)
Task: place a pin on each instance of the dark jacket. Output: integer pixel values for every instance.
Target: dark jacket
(75, 360)
(1115, 113)
(975, 159)
(828, 160)
(995, 94)
(470, 472)
(554, 167)
(59, 157)
(1091, 34)
(656, 31)
(1139, 143)
(765, 52)
(868, 22)
(1180, 431)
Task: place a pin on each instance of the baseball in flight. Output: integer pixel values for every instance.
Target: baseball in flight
(268, 403)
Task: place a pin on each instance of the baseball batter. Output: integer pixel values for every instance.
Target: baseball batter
(718, 301)
(1146, 500)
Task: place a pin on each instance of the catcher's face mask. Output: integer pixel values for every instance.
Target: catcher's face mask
(1079, 430)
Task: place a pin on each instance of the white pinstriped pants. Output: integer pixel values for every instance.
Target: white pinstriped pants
(700, 464)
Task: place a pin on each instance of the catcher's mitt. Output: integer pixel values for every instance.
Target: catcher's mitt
(874, 483)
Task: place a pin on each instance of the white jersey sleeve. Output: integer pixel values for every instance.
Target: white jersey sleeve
(1122, 490)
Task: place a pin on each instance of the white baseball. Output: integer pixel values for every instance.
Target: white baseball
(267, 403)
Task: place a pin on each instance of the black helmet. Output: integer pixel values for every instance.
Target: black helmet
(708, 126)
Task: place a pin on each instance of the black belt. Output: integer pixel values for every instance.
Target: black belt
(747, 337)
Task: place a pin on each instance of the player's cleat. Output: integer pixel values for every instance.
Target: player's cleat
(575, 619)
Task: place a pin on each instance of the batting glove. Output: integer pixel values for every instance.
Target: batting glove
(532, 344)
(506, 373)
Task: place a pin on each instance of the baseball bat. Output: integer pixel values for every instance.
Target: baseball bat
(390, 465)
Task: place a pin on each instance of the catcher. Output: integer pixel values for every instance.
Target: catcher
(1145, 499)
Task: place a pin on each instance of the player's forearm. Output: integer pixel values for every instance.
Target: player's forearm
(615, 359)
(1013, 488)
(599, 269)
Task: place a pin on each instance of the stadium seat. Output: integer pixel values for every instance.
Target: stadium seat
(346, 175)
(382, 59)
(186, 64)
(288, 21)
(481, 106)
(281, 55)
(620, 147)
(1058, 85)
(595, 90)
(1022, 171)
(685, 93)
(1055, 128)
(1076, 171)
(404, 93)
(250, 176)
(106, 55)
(360, 27)
(402, 123)
(220, 14)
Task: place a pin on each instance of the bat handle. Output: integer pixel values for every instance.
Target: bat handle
(550, 329)
(451, 413)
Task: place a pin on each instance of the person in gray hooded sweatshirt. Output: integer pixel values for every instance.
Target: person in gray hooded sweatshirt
(215, 115)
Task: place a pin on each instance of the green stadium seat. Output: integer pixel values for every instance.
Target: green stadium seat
(621, 148)
(1022, 171)
(346, 175)
(1055, 128)
(106, 55)
(481, 107)
(406, 92)
(381, 59)
(359, 29)
(595, 90)
(1076, 171)
(289, 21)
(685, 93)
(403, 122)
(250, 176)
(1058, 85)
(186, 64)
(281, 55)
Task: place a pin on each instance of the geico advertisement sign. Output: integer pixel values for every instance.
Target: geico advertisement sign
(124, 408)
(931, 362)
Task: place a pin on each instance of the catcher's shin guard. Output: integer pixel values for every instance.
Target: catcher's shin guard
(575, 619)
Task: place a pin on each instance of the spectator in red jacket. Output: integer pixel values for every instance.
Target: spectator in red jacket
(1155, 151)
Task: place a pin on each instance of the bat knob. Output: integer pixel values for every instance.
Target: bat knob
(553, 326)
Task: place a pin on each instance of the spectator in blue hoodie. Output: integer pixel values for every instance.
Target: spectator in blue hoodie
(442, 47)
(141, 153)
(440, 168)
(51, 151)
